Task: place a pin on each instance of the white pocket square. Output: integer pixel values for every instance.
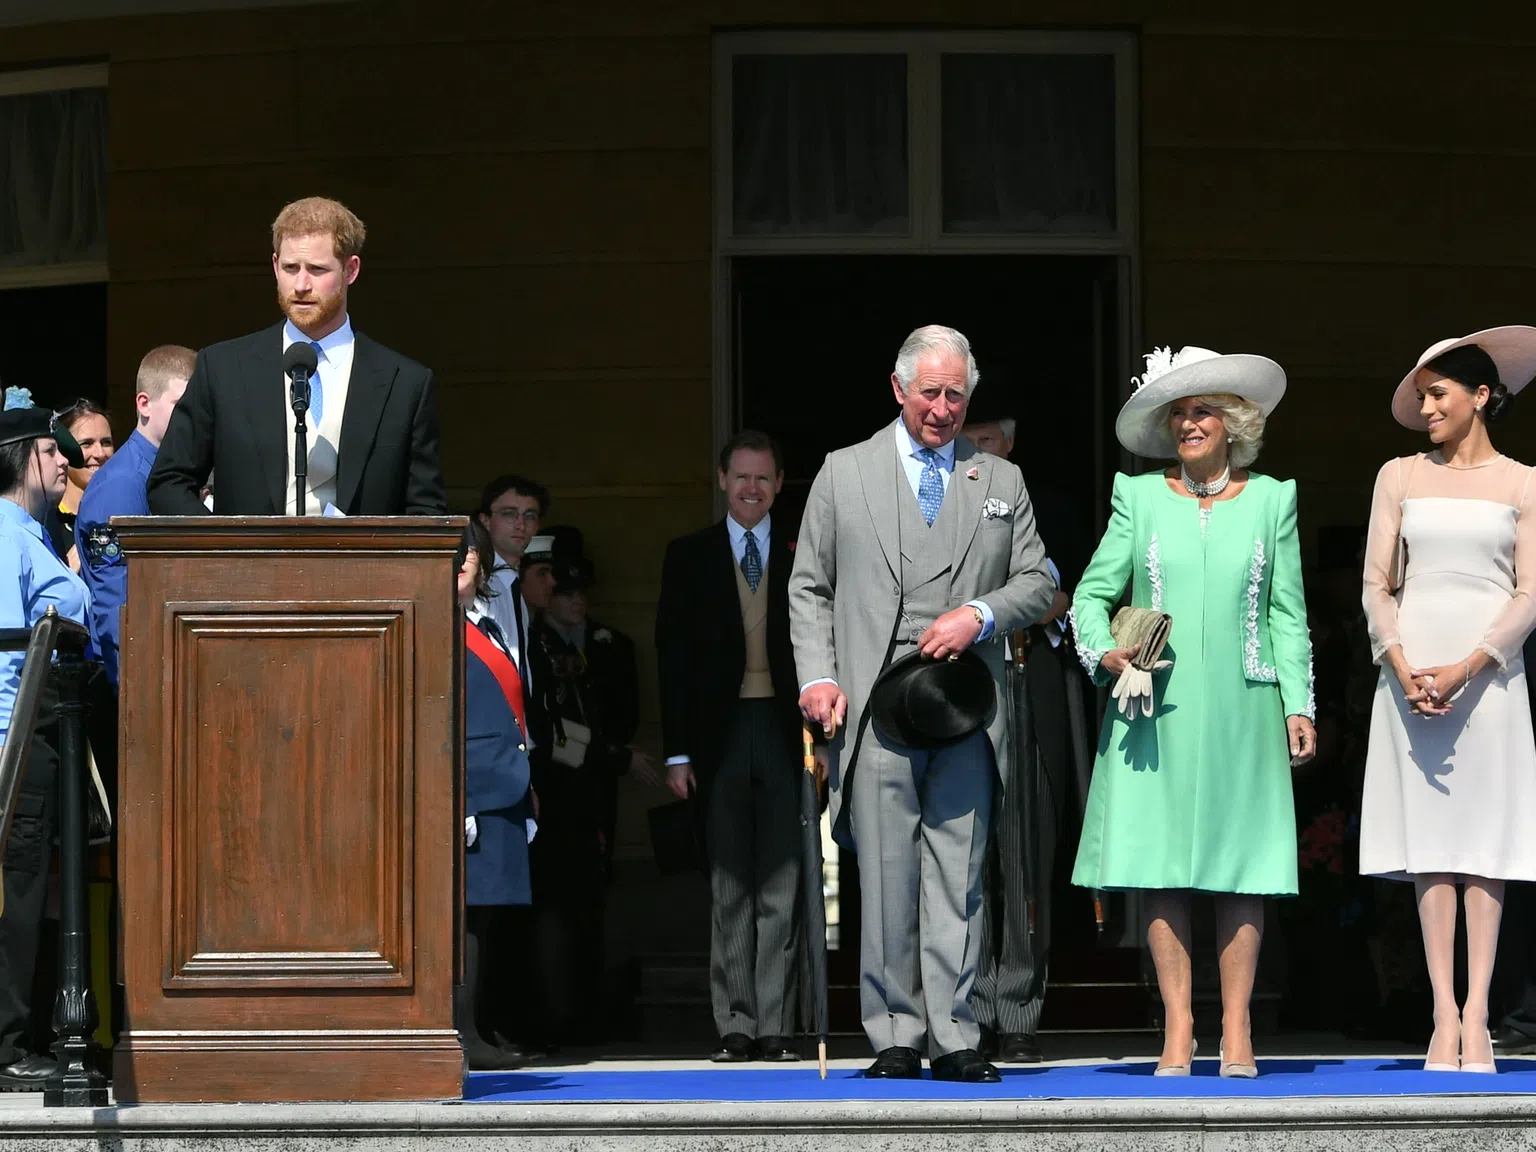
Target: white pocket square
(995, 509)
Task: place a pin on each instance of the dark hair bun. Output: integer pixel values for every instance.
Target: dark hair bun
(1499, 405)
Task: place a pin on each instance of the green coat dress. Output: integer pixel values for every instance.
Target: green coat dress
(1198, 795)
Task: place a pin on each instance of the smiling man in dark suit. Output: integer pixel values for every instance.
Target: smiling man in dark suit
(373, 440)
(729, 719)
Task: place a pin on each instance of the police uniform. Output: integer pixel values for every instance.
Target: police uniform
(33, 579)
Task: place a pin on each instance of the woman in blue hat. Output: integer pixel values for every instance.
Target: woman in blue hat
(34, 459)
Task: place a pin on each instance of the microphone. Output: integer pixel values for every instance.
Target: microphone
(299, 364)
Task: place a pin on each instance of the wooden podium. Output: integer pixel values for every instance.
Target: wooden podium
(290, 791)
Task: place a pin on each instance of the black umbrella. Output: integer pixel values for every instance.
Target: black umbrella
(815, 908)
(1082, 764)
(1025, 777)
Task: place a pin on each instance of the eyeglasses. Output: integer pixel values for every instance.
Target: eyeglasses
(529, 516)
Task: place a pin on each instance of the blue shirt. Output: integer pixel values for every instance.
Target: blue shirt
(117, 489)
(32, 579)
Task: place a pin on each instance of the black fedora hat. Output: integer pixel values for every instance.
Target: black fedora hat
(923, 703)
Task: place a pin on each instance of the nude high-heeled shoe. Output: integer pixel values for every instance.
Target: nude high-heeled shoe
(1179, 1069)
(1440, 1065)
(1235, 1071)
(1481, 1066)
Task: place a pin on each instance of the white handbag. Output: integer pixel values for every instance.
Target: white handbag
(571, 744)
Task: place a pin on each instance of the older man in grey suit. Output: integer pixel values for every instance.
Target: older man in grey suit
(914, 540)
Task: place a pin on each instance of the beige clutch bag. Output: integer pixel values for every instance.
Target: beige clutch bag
(1144, 626)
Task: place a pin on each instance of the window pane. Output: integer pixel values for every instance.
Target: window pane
(53, 177)
(819, 144)
(1029, 143)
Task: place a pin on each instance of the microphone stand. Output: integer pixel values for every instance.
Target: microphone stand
(300, 401)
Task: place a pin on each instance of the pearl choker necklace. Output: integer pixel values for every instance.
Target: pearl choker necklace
(1209, 488)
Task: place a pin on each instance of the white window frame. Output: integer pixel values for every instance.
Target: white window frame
(25, 83)
(925, 235)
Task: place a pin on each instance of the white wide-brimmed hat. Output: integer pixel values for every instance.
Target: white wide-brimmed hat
(1142, 425)
(1512, 349)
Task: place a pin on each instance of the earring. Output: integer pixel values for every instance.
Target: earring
(1478, 408)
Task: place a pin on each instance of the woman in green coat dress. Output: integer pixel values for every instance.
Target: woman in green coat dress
(1192, 788)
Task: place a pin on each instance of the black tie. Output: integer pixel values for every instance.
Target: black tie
(488, 626)
(522, 644)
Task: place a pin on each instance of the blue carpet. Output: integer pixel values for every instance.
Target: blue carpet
(1324, 1077)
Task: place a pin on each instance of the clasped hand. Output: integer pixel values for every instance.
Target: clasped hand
(1430, 691)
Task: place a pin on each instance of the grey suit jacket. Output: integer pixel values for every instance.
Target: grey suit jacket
(845, 590)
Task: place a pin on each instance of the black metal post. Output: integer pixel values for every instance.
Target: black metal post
(300, 404)
(78, 1082)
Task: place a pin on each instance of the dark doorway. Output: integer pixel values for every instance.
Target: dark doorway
(815, 340)
(53, 341)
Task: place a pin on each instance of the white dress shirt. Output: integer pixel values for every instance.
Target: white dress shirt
(504, 609)
(334, 373)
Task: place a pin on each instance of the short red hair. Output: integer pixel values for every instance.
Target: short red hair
(317, 216)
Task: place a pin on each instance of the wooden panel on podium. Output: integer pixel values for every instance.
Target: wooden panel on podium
(289, 798)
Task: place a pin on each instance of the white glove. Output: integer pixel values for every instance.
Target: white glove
(471, 831)
(1133, 689)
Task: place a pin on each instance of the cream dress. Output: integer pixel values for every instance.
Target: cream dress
(1453, 793)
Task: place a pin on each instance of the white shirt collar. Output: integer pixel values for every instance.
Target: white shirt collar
(341, 338)
(501, 566)
(910, 447)
(738, 533)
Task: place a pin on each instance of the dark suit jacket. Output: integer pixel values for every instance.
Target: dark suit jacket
(701, 649)
(231, 421)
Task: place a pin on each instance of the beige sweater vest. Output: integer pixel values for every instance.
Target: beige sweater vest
(756, 681)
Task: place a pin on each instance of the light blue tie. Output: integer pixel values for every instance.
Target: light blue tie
(752, 563)
(930, 488)
(316, 390)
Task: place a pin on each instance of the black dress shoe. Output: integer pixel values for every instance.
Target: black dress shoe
(1513, 1042)
(484, 1057)
(27, 1074)
(512, 1050)
(734, 1048)
(1018, 1048)
(987, 1045)
(896, 1064)
(778, 1049)
(966, 1066)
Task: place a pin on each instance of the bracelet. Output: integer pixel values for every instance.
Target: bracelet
(1467, 679)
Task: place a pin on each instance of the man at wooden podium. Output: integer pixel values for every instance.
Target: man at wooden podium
(372, 419)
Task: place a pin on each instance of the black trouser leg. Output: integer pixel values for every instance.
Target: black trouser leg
(27, 854)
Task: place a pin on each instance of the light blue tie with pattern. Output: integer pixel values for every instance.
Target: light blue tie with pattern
(316, 391)
(930, 487)
(752, 563)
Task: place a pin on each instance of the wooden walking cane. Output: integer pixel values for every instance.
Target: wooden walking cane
(808, 748)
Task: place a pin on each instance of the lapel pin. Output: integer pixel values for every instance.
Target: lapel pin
(973, 474)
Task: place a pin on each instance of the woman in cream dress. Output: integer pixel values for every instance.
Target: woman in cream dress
(1450, 777)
